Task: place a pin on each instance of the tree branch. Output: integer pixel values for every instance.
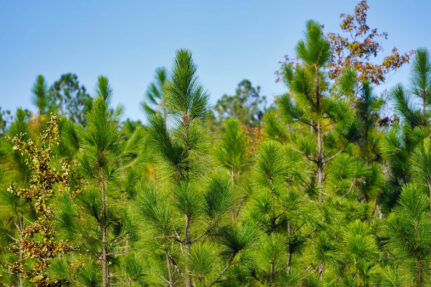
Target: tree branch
(332, 157)
(205, 232)
(173, 262)
(223, 271)
(118, 237)
(307, 156)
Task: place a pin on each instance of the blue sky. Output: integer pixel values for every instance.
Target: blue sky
(127, 40)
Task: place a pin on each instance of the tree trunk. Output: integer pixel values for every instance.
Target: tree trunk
(319, 160)
(271, 274)
(21, 253)
(420, 273)
(289, 258)
(429, 190)
(105, 263)
(187, 243)
(419, 270)
(168, 264)
(319, 137)
(289, 262)
(232, 178)
(321, 270)
(165, 115)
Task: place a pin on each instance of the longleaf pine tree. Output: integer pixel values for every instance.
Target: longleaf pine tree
(233, 153)
(98, 162)
(408, 231)
(308, 102)
(188, 202)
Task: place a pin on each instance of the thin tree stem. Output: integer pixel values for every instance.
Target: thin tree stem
(105, 265)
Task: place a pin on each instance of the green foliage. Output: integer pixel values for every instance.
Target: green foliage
(315, 50)
(218, 197)
(40, 92)
(323, 188)
(247, 105)
(36, 245)
(70, 98)
(232, 152)
(185, 97)
(411, 116)
(421, 77)
(408, 230)
(154, 94)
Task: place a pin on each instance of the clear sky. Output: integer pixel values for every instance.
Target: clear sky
(127, 40)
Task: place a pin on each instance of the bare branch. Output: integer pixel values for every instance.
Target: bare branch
(118, 237)
(223, 271)
(332, 157)
(205, 232)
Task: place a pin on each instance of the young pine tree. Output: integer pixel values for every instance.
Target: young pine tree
(98, 163)
(282, 215)
(185, 208)
(401, 141)
(421, 79)
(40, 91)
(421, 167)
(359, 255)
(409, 237)
(97, 218)
(308, 105)
(420, 88)
(234, 155)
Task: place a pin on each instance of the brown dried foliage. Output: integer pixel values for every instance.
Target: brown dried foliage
(37, 243)
(360, 46)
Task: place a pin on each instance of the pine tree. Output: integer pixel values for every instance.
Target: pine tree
(420, 87)
(409, 239)
(360, 168)
(179, 191)
(307, 104)
(282, 215)
(186, 101)
(234, 154)
(98, 162)
(420, 165)
(40, 92)
(400, 143)
(421, 79)
(360, 253)
(367, 107)
(99, 214)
